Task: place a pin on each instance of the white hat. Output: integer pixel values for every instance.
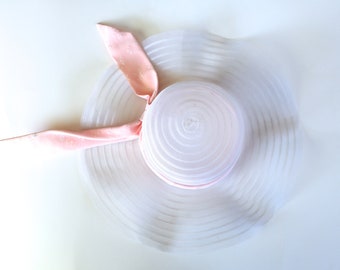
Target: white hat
(218, 146)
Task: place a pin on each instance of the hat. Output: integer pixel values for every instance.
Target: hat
(216, 155)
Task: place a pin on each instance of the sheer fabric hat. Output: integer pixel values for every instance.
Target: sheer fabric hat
(217, 150)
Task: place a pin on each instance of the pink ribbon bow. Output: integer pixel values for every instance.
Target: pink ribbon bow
(137, 68)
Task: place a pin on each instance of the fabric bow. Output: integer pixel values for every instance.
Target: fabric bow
(137, 68)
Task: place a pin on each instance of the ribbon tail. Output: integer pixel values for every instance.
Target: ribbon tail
(76, 140)
(131, 60)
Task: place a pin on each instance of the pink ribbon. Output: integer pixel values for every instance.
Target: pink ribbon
(137, 68)
(132, 61)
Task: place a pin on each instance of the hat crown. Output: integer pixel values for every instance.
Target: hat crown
(192, 134)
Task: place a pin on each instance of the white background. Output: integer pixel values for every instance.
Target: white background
(51, 57)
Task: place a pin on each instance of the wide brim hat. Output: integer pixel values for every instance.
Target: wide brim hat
(172, 217)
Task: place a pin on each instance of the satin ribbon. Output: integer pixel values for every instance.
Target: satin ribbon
(132, 61)
(142, 77)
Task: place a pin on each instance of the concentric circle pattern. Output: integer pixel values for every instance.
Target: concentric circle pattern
(254, 171)
(192, 134)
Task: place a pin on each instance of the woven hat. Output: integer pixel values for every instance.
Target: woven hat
(217, 150)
